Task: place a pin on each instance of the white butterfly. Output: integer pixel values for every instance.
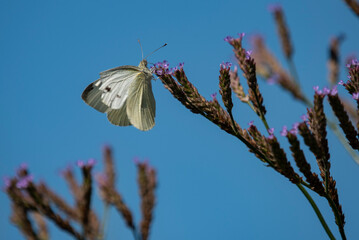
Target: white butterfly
(125, 94)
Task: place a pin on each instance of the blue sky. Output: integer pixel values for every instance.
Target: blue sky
(210, 186)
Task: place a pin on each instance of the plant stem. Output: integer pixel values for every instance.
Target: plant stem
(317, 211)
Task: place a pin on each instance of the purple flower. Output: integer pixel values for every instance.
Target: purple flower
(326, 91)
(22, 167)
(228, 39)
(294, 131)
(24, 182)
(159, 72)
(213, 96)
(241, 35)
(251, 123)
(304, 117)
(248, 54)
(355, 96)
(355, 62)
(334, 91)
(91, 162)
(284, 131)
(341, 82)
(349, 76)
(7, 182)
(80, 163)
(271, 131)
(180, 65)
(165, 64)
(348, 65)
(225, 65)
(316, 88)
(271, 137)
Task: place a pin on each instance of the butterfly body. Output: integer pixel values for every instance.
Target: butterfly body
(125, 94)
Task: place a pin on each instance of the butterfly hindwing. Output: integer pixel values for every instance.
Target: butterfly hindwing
(119, 116)
(141, 105)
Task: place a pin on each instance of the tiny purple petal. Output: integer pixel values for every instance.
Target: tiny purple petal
(334, 91)
(159, 72)
(271, 131)
(180, 65)
(248, 54)
(80, 163)
(320, 92)
(91, 162)
(355, 62)
(349, 76)
(22, 167)
(295, 125)
(24, 182)
(355, 96)
(228, 39)
(316, 88)
(326, 91)
(341, 82)
(241, 35)
(348, 65)
(304, 117)
(213, 96)
(294, 131)
(251, 123)
(271, 137)
(7, 182)
(136, 160)
(284, 131)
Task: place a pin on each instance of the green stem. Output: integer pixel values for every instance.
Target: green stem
(337, 216)
(317, 211)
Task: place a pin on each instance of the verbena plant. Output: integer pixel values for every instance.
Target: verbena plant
(32, 202)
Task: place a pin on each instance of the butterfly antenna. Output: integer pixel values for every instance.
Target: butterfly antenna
(164, 45)
(140, 47)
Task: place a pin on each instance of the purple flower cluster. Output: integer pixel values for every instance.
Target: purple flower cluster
(353, 63)
(230, 39)
(326, 91)
(293, 131)
(225, 65)
(161, 68)
(271, 133)
(90, 163)
(24, 181)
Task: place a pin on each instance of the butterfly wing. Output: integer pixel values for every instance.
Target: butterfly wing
(119, 116)
(115, 85)
(141, 105)
(111, 90)
(92, 96)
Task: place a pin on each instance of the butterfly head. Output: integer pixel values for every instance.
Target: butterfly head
(143, 64)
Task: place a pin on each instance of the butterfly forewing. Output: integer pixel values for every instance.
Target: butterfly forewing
(92, 96)
(115, 86)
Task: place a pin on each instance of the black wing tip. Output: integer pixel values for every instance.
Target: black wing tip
(86, 91)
